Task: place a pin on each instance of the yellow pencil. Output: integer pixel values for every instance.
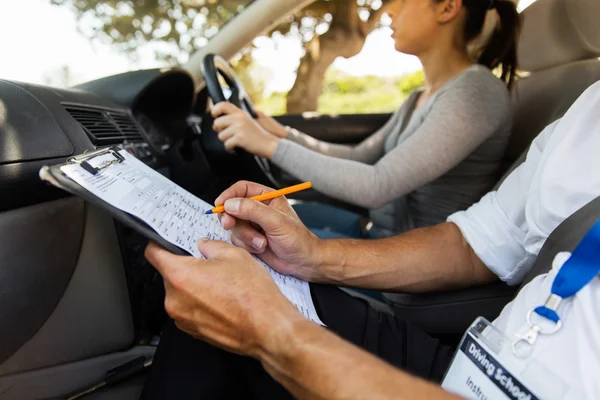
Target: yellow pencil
(269, 195)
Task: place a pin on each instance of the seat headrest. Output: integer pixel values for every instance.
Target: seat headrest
(559, 31)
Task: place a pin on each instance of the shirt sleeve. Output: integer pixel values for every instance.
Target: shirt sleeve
(496, 227)
(508, 228)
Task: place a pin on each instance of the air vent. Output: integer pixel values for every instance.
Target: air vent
(106, 127)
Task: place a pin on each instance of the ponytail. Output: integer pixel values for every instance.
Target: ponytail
(501, 48)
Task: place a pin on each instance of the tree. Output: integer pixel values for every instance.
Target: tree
(178, 27)
(345, 25)
(327, 28)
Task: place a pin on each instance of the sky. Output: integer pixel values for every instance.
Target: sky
(36, 50)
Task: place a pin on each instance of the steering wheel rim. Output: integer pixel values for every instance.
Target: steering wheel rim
(215, 65)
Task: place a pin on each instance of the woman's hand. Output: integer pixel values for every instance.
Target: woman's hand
(271, 125)
(237, 129)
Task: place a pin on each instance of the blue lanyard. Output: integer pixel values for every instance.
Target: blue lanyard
(575, 274)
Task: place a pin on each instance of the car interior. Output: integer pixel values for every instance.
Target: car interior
(77, 296)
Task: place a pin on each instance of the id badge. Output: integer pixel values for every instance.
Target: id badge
(484, 367)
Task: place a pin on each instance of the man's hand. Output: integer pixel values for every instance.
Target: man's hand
(237, 129)
(228, 300)
(423, 260)
(271, 230)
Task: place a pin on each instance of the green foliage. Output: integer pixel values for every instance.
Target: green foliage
(411, 82)
(370, 102)
(275, 104)
(339, 83)
(180, 27)
(253, 77)
(346, 94)
(317, 17)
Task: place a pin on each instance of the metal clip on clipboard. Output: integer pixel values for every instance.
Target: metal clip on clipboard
(85, 159)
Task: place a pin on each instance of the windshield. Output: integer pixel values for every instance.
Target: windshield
(65, 42)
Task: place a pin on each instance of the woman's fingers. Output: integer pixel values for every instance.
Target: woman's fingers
(231, 144)
(225, 122)
(227, 134)
(224, 108)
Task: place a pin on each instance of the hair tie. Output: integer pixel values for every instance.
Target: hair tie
(492, 4)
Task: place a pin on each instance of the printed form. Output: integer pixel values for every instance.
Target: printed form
(174, 213)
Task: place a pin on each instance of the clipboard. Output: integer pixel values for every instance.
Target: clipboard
(135, 187)
(54, 176)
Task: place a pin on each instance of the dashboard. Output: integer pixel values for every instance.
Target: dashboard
(145, 112)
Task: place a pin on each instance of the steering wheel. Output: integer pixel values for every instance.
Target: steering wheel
(214, 67)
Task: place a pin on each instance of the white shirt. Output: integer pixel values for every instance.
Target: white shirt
(507, 229)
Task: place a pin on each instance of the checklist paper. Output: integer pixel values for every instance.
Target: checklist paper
(175, 214)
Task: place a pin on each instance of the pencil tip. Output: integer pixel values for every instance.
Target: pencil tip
(208, 212)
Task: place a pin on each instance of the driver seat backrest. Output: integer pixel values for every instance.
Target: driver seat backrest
(558, 55)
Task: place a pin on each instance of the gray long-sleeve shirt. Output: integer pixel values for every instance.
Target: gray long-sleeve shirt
(423, 164)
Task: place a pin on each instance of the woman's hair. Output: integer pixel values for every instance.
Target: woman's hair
(501, 48)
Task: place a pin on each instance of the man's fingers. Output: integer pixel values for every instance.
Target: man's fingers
(165, 262)
(227, 221)
(238, 243)
(214, 248)
(268, 218)
(249, 236)
(242, 189)
(223, 108)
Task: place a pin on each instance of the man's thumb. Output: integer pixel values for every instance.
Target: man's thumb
(213, 248)
(161, 259)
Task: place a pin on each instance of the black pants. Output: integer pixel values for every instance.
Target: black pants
(185, 368)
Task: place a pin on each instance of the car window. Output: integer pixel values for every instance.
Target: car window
(362, 74)
(333, 56)
(321, 60)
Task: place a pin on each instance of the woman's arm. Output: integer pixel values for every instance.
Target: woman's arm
(368, 151)
(460, 121)
(237, 129)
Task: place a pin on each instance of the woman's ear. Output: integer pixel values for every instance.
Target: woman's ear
(448, 10)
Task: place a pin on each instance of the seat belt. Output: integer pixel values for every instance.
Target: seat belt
(564, 238)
